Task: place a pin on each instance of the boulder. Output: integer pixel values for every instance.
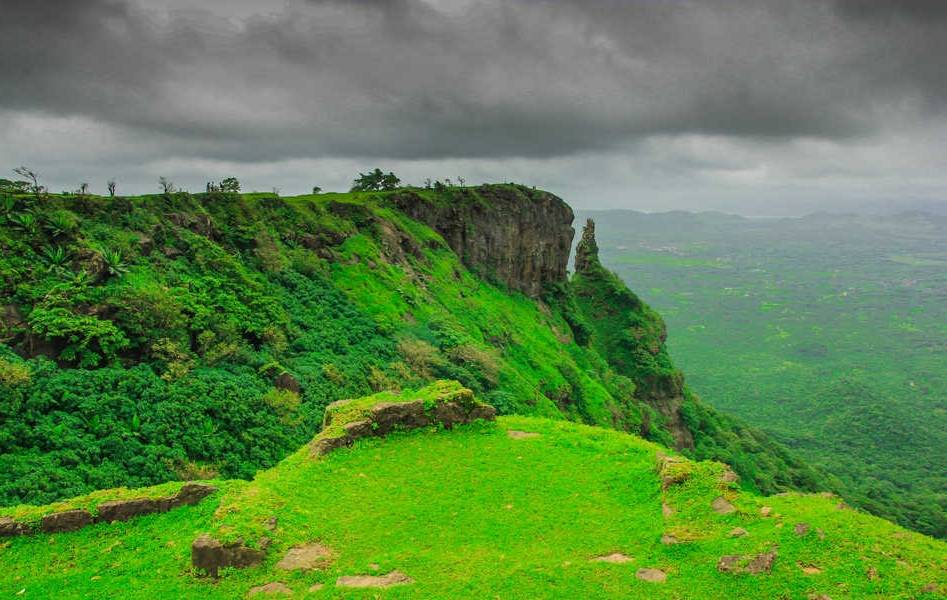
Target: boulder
(68, 520)
(10, 528)
(285, 381)
(390, 415)
(211, 555)
(123, 510)
(722, 506)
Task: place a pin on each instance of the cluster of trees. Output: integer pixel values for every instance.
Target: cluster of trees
(375, 181)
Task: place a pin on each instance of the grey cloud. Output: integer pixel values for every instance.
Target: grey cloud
(410, 79)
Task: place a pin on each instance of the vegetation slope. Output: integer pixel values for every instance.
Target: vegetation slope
(181, 336)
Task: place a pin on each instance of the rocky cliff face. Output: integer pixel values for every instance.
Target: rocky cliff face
(510, 234)
(630, 336)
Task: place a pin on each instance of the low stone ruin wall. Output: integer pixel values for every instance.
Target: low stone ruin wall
(107, 512)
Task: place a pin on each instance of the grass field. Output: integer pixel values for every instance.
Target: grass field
(476, 513)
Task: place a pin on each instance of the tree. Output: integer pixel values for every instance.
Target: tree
(230, 185)
(32, 176)
(111, 187)
(166, 185)
(374, 181)
(316, 189)
(83, 189)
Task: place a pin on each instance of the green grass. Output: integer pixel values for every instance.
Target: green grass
(472, 513)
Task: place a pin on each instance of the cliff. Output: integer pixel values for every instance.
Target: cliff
(510, 234)
(630, 336)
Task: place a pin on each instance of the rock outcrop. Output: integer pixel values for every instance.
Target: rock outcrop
(211, 555)
(110, 511)
(444, 403)
(511, 234)
(626, 330)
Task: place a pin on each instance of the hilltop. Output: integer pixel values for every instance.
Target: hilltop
(522, 508)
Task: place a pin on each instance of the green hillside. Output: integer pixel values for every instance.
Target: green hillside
(176, 336)
(524, 508)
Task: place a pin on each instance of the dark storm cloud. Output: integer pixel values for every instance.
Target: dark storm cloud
(415, 79)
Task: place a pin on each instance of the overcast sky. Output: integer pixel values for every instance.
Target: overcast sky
(749, 106)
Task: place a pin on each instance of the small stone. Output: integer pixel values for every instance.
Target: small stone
(316, 587)
(872, 574)
(270, 524)
(666, 510)
(521, 435)
(652, 575)
(810, 569)
(614, 558)
(669, 540)
(305, 558)
(819, 597)
(271, 589)
(373, 581)
(722, 506)
(738, 532)
(766, 511)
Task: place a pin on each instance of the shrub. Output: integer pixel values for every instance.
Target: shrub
(13, 374)
(285, 403)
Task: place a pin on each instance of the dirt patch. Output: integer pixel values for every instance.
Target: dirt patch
(766, 511)
(735, 563)
(373, 581)
(305, 558)
(872, 574)
(616, 558)
(722, 506)
(652, 575)
(801, 529)
(666, 509)
(521, 435)
(271, 589)
(668, 540)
